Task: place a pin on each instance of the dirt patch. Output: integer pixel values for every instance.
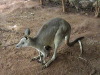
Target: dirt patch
(17, 61)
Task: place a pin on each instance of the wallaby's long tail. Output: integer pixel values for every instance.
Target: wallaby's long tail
(75, 41)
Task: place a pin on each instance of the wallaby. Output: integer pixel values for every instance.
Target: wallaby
(50, 36)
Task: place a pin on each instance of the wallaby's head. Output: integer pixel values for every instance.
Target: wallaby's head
(24, 42)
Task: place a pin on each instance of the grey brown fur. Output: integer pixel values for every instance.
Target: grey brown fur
(50, 36)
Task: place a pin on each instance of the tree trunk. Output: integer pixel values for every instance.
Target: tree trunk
(41, 2)
(97, 10)
(63, 6)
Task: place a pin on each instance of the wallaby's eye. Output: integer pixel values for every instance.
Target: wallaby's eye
(26, 38)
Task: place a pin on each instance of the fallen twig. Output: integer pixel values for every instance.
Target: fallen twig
(9, 45)
(5, 30)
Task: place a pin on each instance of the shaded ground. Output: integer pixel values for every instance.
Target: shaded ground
(17, 61)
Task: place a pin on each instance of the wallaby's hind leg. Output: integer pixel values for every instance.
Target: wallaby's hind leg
(58, 39)
(67, 37)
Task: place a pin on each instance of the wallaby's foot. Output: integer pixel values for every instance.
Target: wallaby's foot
(35, 58)
(32, 60)
(44, 66)
(39, 61)
(43, 63)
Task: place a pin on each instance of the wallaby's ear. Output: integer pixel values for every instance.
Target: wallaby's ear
(27, 32)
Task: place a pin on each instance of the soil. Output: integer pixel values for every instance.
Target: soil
(17, 15)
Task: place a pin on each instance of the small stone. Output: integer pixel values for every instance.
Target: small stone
(32, 13)
(86, 14)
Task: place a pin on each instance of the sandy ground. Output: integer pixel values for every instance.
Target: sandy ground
(13, 22)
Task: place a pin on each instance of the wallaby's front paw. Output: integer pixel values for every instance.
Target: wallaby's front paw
(39, 61)
(44, 66)
(32, 60)
(43, 63)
